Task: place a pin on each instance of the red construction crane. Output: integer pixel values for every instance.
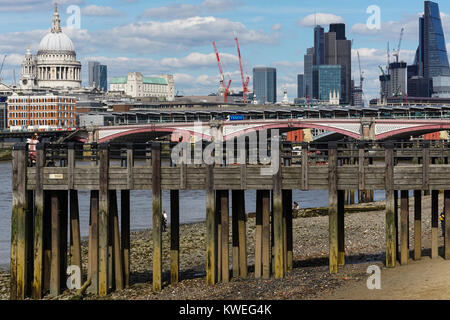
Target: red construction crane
(247, 80)
(222, 78)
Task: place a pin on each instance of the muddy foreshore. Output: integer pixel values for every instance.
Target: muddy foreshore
(309, 279)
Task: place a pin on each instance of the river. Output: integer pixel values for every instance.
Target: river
(192, 207)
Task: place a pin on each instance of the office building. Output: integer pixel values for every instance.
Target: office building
(307, 65)
(319, 46)
(300, 93)
(136, 85)
(45, 110)
(441, 87)
(98, 75)
(420, 87)
(397, 72)
(3, 113)
(338, 52)
(326, 82)
(265, 84)
(431, 59)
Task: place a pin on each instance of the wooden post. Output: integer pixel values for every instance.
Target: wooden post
(242, 230)
(446, 224)
(277, 223)
(404, 216)
(125, 234)
(174, 235)
(434, 223)
(29, 232)
(118, 257)
(417, 224)
(94, 241)
(396, 220)
(235, 232)
(18, 223)
(341, 228)
(64, 227)
(218, 210)
(103, 221)
(333, 207)
(224, 201)
(304, 177)
(211, 228)
(266, 263)
(287, 204)
(47, 241)
(55, 273)
(39, 205)
(157, 216)
(75, 238)
(391, 243)
(258, 235)
(111, 247)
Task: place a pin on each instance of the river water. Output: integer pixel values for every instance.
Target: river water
(192, 207)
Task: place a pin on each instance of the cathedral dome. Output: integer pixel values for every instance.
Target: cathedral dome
(56, 40)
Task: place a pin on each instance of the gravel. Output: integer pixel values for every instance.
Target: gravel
(309, 279)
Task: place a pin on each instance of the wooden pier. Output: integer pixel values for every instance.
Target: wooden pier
(45, 227)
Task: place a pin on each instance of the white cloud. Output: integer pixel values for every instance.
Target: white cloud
(320, 19)
(101, 11)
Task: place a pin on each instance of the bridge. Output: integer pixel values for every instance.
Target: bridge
(360, 129)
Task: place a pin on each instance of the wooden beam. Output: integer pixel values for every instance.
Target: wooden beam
(332, 207)
(266, 261)
(277, 223)
(157, 216)
(417, 224)
(211, 228)
(224, 200)
(404, 217)
(125, 234)
(446, 224)
(75, 237)
(434, 223)
(18, 223)
(39, 207)
(55, 273)
(391, 229)
(103, 221)
(174, 235)
(258, 235)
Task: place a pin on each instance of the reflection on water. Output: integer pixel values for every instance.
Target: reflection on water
(192, 207)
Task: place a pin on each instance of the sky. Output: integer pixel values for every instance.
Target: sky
(175, 37)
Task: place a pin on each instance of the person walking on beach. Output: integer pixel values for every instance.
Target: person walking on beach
(164, 221)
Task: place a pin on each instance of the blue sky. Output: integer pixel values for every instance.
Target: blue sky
(162, 36)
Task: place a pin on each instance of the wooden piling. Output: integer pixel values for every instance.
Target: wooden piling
(235, 234)
(39, 207)
(118, 257)
(18, 223)
(75, 238)
(174, 235)
(266, 261)
(341, 228)
(434, 223)
(404, 216)
(391, 241)
(332, 207)
(277, 223)
(417, 224)
(157, 216)
(446, 224)
(125, 234)
(103, 221)
(218, 242)
(55, 273)
(211, 228)
(224, 200)
(94, 242)
(242, 231)
(287, 204)
(258, 235)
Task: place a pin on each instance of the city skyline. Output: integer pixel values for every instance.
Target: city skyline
(176, 37)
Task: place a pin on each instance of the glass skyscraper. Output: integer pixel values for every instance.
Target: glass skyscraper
(98, 75)
(307, 79)
(319, 46)
(265, 84)
(326, 80)
(431, 56)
